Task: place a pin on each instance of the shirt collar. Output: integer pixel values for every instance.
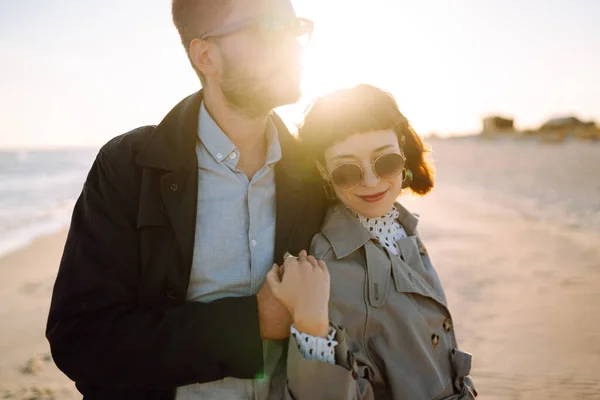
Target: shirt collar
(220, 146)
(347, 234)
(389, 217)
(212, 136)
(273, 145)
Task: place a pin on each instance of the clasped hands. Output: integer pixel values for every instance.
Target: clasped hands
(296, 292)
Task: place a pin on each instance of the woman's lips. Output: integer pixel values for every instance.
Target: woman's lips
(372, 198)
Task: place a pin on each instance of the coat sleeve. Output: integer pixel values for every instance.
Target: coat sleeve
(98, 334)
(319, 380)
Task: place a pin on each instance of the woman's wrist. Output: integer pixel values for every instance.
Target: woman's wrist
(312, 324)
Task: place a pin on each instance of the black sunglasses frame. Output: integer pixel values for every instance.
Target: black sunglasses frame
(305, 26)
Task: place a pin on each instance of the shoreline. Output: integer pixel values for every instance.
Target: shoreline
(21, 245)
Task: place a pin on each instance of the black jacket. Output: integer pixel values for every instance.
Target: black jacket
(119, 325)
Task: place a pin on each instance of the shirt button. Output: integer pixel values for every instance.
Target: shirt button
(232, 156)
(435, 340)
(219, 156)
(447, 325)
(253, 243)
(174, 187)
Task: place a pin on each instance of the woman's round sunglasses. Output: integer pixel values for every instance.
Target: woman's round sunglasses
(350, 175)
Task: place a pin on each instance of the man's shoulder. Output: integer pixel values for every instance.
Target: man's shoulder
(124, 149)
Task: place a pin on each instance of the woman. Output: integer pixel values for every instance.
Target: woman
(382, 328)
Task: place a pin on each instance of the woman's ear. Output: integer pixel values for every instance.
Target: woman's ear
(322, 171)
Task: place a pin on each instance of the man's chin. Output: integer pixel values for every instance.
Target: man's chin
(266, 102)
(258, 103)
(289, 97)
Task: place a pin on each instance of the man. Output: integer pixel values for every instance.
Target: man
(160, 291)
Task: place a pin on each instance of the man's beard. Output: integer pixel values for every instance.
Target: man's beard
(254, 97)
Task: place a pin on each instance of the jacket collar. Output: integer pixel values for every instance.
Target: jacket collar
(172, 145)
(173, 142)
(346, 234)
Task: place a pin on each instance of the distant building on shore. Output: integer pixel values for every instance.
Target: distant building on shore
(496, 124)
(553, 130)
(567, 123)
(569, 126)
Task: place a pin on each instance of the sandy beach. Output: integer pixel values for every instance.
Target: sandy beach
(524, 292)
(26, 281)
(525, 297)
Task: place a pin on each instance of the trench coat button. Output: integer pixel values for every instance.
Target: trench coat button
(174, 187)
(447, 325)
(435, 340)
(172, 293)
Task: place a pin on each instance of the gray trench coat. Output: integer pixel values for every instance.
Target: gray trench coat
(395, 332)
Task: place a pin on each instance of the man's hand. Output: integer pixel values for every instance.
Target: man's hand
(275, 320)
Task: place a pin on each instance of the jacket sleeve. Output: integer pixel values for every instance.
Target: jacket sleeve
(98, 334)
(318, 380)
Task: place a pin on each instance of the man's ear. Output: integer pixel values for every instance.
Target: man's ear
(204, 57)
(323, 171)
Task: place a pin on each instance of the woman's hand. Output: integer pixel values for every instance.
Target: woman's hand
(304, 290)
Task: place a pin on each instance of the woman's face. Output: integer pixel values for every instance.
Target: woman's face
(373, 196)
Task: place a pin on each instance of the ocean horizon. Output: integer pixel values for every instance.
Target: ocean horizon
(556, 182)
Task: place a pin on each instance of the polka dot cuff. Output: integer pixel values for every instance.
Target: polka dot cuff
(316, 348)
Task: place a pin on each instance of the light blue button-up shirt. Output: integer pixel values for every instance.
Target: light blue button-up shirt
(233, 251)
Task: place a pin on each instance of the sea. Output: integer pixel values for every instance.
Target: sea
(38, 190)
(557, 181)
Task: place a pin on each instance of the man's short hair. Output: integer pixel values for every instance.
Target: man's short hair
(194, 18)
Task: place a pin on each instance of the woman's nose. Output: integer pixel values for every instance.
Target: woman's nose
(369, 178)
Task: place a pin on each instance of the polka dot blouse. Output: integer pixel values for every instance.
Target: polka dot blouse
(387, 230)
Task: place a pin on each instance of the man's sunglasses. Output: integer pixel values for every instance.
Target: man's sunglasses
(350, 175)
(270, 28)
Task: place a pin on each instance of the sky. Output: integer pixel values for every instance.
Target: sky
(77, 73)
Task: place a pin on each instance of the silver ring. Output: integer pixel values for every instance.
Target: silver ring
(288, 255)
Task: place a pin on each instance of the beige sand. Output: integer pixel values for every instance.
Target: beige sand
(525, 295)
(26, 280)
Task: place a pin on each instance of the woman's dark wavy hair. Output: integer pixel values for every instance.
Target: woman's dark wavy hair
(362, 109)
